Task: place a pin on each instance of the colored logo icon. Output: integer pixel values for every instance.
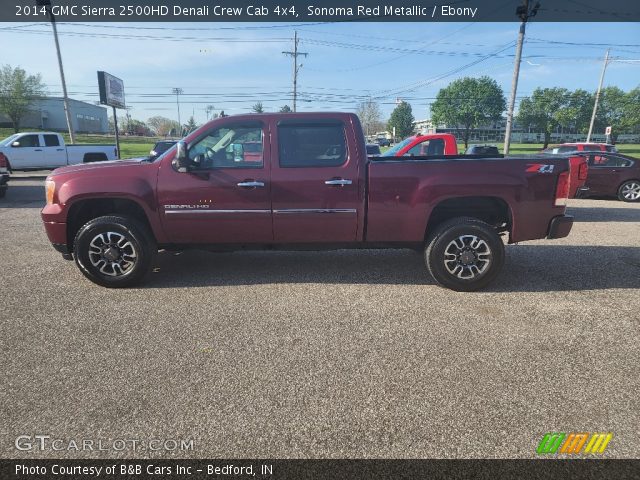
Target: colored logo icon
(573, 443)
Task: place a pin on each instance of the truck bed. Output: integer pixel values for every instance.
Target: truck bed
(403, 192)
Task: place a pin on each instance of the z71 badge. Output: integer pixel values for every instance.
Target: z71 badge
(539, 168)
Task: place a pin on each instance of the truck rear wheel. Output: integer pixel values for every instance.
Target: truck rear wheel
(114, 251)
(464, 254)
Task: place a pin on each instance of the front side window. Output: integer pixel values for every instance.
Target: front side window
(312, 145)
(231, 146)
(29, 141)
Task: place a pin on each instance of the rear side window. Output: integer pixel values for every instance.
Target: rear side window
(591, 148)
(51, 141)
(566, 149)
(428, 147)
(312, 145)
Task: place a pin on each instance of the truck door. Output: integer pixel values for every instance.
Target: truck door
(315, 175)
(54, 153)
(26, 152)
(224, 198)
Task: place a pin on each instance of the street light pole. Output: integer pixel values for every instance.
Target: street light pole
(178, 92)
(524, 13)
(595, 103)
(65, 96)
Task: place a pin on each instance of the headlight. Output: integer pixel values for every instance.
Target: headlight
(49, 188)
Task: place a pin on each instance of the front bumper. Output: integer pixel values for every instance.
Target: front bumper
(560, 226)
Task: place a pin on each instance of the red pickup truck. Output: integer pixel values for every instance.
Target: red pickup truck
(422, 145)
(313, 187)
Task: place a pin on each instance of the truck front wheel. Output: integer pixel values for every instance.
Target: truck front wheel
(464, 254)
(114, 251)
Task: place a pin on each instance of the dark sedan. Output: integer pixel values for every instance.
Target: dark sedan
(160, 147)
(612, 175)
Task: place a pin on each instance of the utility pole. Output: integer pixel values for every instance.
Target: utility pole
(595, 104)
(296, 67)
(178, 92)
(65, 97)
(524, 13)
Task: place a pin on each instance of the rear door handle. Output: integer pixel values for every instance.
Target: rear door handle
(251, 184)
(38, 150)
(339, 182)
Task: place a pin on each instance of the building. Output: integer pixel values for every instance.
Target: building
(48, 114)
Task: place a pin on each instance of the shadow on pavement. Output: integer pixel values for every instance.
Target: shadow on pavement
(605, 214)
(23, 196)
(528, 268)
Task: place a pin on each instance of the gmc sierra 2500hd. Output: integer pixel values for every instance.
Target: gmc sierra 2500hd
(309, 186)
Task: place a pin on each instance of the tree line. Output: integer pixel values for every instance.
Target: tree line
(470, 103)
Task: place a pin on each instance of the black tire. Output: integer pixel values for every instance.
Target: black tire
(94, 157)
(446, 259)
(629, 191)
(114, 251)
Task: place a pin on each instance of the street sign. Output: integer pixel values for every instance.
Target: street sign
(607, 131)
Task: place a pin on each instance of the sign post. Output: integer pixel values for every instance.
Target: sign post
(112, 94)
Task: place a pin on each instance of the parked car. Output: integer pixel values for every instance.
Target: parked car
(373, 149)
(4, 175)
(482, 150)
(612, 175)
(34, 150)
(314, 188)
(160, 147)
(418, 145)
(580, 147)
(383, 142)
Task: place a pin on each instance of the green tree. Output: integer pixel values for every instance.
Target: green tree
(468, 103)
(258, 108)
(285, 109)
(17, 92)
(617, 109)
(402, 119)
(191, 125)
(632, 111)
(545, 110)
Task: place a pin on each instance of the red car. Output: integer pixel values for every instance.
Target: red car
(612, 175)
(418, 145)
(314, 188)
(580, 147)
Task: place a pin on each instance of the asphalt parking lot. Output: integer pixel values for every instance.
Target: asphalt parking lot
(331, 354)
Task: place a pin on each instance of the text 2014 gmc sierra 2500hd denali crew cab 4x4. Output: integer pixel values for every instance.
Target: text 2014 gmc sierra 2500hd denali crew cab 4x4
(310, 186)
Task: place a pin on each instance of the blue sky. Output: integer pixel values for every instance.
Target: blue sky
(233, 65)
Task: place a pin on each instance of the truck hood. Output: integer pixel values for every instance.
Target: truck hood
(83, 167)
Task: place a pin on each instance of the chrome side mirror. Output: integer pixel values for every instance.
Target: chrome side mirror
(181, 160)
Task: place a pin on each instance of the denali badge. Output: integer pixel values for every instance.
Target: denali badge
(185, 207)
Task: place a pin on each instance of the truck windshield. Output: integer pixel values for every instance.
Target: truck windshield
(9, 140)
(392, 151)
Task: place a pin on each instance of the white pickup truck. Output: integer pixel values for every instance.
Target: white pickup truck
(34, 150)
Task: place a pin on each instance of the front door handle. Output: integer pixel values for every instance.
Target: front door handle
(251, 184)
(338, 182)
(38, 150)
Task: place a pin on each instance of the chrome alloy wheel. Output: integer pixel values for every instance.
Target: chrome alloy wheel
(467, 256)
(112, 254)
(631, 191)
